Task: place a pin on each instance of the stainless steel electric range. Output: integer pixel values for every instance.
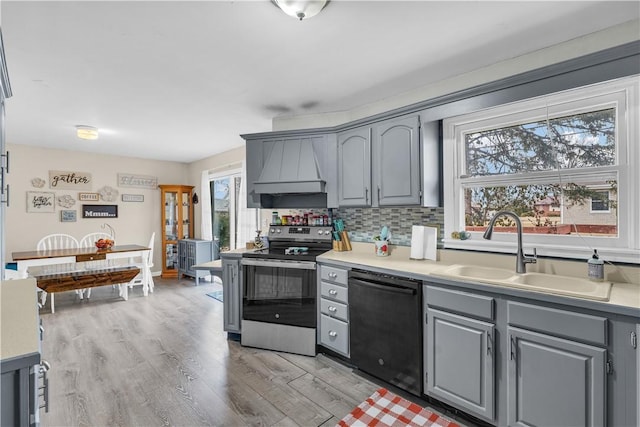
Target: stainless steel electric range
(280, 289)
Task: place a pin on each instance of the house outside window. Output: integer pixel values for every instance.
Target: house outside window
(600, 202)
(565, 163)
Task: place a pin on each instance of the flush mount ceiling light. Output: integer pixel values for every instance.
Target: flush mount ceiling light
(86, 132)
(301, 9)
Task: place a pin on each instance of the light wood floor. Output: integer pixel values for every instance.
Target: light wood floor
(165, 360)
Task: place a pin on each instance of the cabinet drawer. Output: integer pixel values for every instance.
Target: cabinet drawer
(334, 334)
(334, 309)
(567, 324)
(465, 303)
(334, 292)
(333, 274)
(91, 257)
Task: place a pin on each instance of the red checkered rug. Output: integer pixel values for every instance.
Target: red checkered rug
(385, 409)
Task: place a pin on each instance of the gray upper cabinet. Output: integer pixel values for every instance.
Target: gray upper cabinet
(354, 167)
(396, 165)
(380, 165)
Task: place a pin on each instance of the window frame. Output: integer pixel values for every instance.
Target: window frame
(623, 94)
(608, 203)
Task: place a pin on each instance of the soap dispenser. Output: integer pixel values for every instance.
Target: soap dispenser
(596, 267)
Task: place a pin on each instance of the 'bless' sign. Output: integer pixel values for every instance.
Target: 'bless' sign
(70, 180)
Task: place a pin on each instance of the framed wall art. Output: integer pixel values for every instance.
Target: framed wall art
(70, 180)
(133, 198)
(40, 201)
(68, 216)
(88, 197)
(99, 211)
(139, 181)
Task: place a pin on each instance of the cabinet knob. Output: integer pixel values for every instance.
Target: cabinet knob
(332, 309)
(333, 275)
(333, 334)
(333, 292)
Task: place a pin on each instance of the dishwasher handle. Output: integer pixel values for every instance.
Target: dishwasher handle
(386, 288)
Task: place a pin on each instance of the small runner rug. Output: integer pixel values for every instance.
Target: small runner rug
(217, 295)
(383, 409)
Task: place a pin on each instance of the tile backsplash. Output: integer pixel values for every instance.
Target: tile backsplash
(364, 223)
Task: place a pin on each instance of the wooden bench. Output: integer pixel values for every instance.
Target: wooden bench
(83, 279)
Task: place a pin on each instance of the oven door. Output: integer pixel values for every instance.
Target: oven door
(279, 291)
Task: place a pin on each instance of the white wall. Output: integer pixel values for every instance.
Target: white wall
(135, 222)
(215, 163)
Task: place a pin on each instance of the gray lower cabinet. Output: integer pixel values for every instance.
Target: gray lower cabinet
(192, 252)
(232, 291)
(460, 350)
(333, 330)
(554, 381)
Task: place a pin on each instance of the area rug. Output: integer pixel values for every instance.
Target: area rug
(217, 295)
(385, 409)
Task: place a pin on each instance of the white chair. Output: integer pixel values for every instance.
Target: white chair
(140, 278)
(89, 241)
(55, 241)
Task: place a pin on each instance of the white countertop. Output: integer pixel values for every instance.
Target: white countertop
(19, 329)
(622, 294)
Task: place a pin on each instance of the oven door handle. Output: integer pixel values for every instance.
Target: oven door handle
(299, 265)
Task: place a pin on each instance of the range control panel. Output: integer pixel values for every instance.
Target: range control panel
(300, 232)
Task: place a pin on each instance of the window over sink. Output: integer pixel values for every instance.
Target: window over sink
(566, 164)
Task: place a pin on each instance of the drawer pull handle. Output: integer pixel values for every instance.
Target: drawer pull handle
(333, 275)
(333, 334)
(333, 292)
(332, 309)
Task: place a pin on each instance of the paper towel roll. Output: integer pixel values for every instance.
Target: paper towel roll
(417, 242)
(430, 243)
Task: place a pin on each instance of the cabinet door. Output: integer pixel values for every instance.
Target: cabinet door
(553, 381)
(232, 292)
(354, 168)
(396, 169)
(460, 362)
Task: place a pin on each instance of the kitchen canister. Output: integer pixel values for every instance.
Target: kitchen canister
(382, 247)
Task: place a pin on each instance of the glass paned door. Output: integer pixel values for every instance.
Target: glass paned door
(221, 212)
(186, 219)
(171, 216)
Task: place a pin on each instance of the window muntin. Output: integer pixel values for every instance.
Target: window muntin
(609, 163)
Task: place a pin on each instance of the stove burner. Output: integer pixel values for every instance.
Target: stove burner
(296, 250)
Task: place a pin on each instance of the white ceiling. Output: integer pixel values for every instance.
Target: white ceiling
(177, 80)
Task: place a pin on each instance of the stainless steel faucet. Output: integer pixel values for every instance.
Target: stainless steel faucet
(521, 259)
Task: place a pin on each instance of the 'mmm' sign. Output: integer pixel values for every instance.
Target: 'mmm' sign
(99, 211)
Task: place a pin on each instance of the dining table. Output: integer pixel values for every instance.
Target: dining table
(84, 263)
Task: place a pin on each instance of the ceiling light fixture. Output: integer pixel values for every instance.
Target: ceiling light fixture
(86, 132)
(301, 9)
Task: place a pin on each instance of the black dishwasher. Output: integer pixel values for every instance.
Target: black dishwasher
(385, 327)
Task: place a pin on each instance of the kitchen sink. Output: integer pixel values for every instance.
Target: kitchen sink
(563, 285)
(475, 272)
(540, 282)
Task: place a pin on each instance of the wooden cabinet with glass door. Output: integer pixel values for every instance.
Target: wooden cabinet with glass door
(177, 223)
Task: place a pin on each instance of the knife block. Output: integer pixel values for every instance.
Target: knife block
(344, 244)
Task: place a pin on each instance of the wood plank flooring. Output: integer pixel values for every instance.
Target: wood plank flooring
(164, 360)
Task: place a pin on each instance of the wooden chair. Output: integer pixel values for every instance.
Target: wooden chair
(139, 279)
(89, 241)
(55, 241)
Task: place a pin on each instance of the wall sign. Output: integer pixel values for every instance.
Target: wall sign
(72, 180)
(99, 211)
(88, 197)
(68, 216)
(139, 181)
(38, 201)
(132, 198)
